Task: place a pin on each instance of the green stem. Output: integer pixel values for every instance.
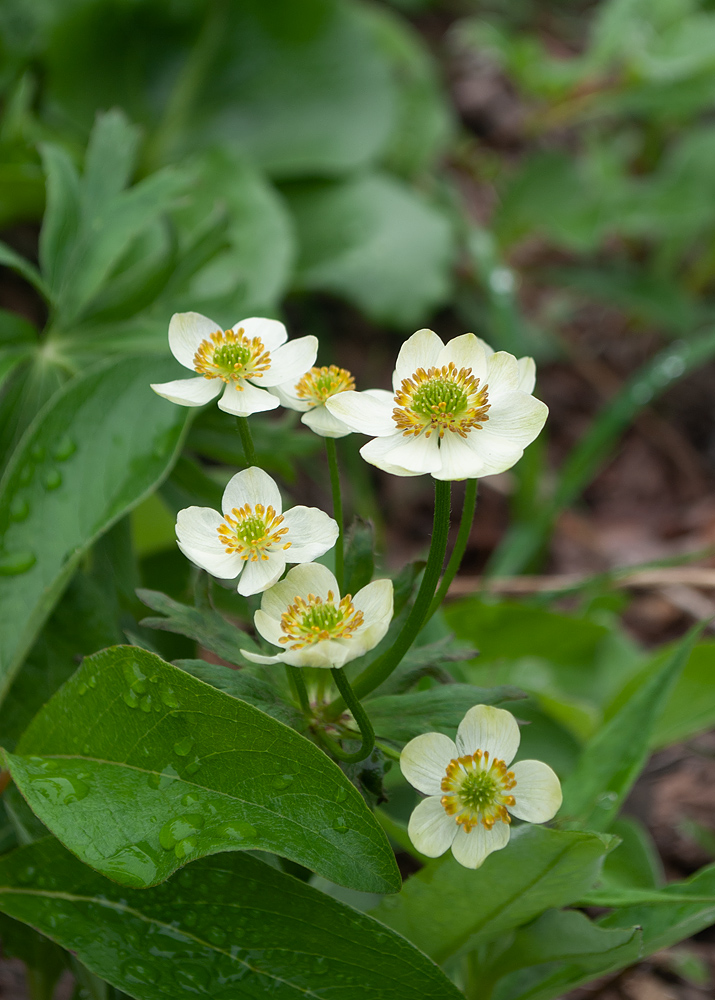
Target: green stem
(460, 545)
(297, 685)
(246, 440)
(378, 672)
(332, 452)
(360, 716)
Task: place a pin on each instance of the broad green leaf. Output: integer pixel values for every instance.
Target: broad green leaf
(375, 241)
(439, 709)
(635, 863)
(109, 163)
(690, 709)
(10, 258)
(445, 907)
(61, 222)
(206, 626)
(95, 450)
(225, 928)
(139, 768)
(614, 757)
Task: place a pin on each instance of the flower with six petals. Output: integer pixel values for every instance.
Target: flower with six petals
(460, 411)
(243, 362)
(305, 615)
(473, 789)
(253, 540)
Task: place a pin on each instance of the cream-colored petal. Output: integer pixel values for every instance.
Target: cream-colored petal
(459, 460)
(302, 580)
(242, 399)
(487, 728)
(430, 829)
(375, 601)
(326, 654)
(290, 362)
(418, 455)
(311, 532)
(516, 417)
(260, 658)
(466, 351)
(471, 849)
(252, 486)
(363, 412)
(527, 375)
(186, 332)
(421, 350)
(321, 421)
(190, 391)
(537, 793)
(288, 398)
(378, 453)
(424, 761)
(270, 332)
(197, 537)
(495, 453)
(502, 373)
(269, 628)
(258, 576)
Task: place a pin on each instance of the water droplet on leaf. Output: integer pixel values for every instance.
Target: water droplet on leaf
(130, 698)
(19, 509)
(236, 830)
(169, 698)
(193, 767)
(37, 453)
(341, 795)
(145, 703)
(64, 448)
(183, 747)
(282, 781)
(179, 829)
(340, 825)
(52, 479)
(14, 563)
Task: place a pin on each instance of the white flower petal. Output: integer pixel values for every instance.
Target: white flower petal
(487, 728)
(363, 412)
(424, 761)
(290, 361)
(470, 849)
(496, 453)
(321, 421)
(251, 486)
(502, 374)
(527, 375)
(302, 580)
(516, 417)
(537, 793)
(376, 603)
(197, 537)
(247, 399)
(418, 455)
(466, 351)
(186, 332)
(382, 395)
(286, 393)
(311, 532)
(378, 452)
(459, 460)
(421, 350)
(326, 654)
(430, 829)
(269, 628)
(271, 332)
(261, 574)
(190, 391)
(260, 658)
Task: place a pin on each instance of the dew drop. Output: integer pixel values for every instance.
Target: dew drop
(135, 866)
(26, 875)
(282, 781)
(193, 767)
(179, 829)
(236, 830)
(26, 474)
(185, 847)
(341, 795)
(135, 677)
(37, 453)
(169, 697)
(131, 698)
(189, 918)
(92, 681)
(60, 789)
(340, 825)
(216, 935)
(82, 689)
(183, 747)
(19, 509)
(145, 703)
(193, 978)
(15, 563)
(190, 799)
(163, 780)
(64, 448)
(52, 479)
(142, 974)
(86, 748)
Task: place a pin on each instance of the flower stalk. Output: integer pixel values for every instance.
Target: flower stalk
(332, 452)
(359, 714)
(249, 451)
(460, 545)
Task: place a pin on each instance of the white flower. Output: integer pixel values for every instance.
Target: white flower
(306, 616)
(459, 411)
(253, 539)
(252, 353)
(470, 791)
(309, 394)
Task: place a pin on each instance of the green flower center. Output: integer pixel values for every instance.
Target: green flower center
(439, 395)
(320, 384)
(231, 356)
(441, 399)
(251, 532)
(477, 791)
(315, 620)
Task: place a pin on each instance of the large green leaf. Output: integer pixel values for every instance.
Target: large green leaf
(139, 768)
(691, 707)
(613, 759)
(377, 242)
(225, 928)
(96, 449)
(445, 906)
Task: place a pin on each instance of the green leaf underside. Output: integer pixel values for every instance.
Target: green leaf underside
(445, 906)
(139, 768)
(96, 450)
(440, 709)
(225, 928)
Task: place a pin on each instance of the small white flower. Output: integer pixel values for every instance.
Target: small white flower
(306, 616)
(460, 411)
(252, 353)
(253, 540)
(470, 791)
(309, 394)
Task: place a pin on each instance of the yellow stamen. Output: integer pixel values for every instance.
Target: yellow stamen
(441, 399)
(315, 620)
(251, 532)
(477, 791)
(231, 356)
(320, 384)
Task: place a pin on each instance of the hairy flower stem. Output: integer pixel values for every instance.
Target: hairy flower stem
(297, 686)
(332, 452)
(360, 716)
(460, 545)
(246, 440)
(378, 672)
